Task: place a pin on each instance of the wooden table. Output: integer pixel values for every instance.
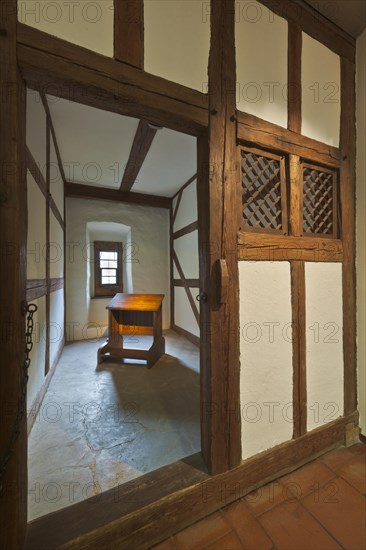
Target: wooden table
(134, 314)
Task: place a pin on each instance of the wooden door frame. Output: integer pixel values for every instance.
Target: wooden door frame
(81, 75)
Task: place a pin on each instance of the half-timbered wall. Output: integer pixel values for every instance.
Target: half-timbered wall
(45, 245)
(147, 253)
(184, 261)
(291, 311)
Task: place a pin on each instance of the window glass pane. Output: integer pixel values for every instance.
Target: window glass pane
(108, 255)
(108, 273)
(108, 263)
(109, 280)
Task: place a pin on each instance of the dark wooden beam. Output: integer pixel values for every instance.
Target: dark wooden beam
(150, 508)
(186, 288)
(36, 288)
(192, 283)
(13, 231)
(222, 399)
(140, 147)
(36, 172)
(47, 255)
(185, 230)
(299, 347)
(81, 191)
(259, 246)
(315, 25)
(260, 132)
(129, 32)
(347, 199)
(294, 77)
(66, 70)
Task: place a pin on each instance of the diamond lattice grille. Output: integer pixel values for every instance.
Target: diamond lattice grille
(317, 201)
(261, 181)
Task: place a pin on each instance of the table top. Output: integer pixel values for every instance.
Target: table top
(136, 302)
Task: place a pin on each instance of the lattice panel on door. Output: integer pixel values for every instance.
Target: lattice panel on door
(263, 191)
(319, 201)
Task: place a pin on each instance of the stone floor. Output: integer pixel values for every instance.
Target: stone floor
(100, 426)
(319, 506)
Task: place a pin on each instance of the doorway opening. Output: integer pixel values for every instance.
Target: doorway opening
(117, 186)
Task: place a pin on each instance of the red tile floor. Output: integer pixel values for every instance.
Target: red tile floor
(319, 506)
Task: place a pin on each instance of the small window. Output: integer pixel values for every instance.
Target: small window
(319, 201)
(264, 201)
(107, 268)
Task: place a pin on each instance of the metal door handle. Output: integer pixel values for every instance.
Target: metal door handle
(201, 297)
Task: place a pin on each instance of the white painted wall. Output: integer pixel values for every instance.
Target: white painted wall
(85, 23)
(320, 81)
(183, 314)
(149, 255)
(56, 183)
(177, 39)
(261, 62)
(361, 224)
(57, 313)
(36, 133)
(265, 355)
(324, 342)
(36, 237)
(56, 248)
(187, 211)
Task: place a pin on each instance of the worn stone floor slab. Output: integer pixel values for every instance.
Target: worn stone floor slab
(100, 426)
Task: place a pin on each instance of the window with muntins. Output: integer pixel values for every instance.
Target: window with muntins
(107, 268)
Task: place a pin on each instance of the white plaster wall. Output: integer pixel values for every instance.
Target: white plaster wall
(324, 342)
(186, 248)
(265, 355)
(56, 248)
(36, 129)
(361, 224)
(38, 354)
(187, 211)
(149, 254)
(57, 311)
(177, 40)
(56, 183)
(320, 81)
(183, 314)
(36, 238)
(261, 62)
(85, 23)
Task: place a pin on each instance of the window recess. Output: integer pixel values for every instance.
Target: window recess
(263, 187)
(107, 268)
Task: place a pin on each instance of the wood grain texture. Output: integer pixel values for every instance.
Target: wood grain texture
(261, 133)
(222, 400)
(296, 194)
(66, 70)
(194, 283)
(103, 193)
(129, 32)
(140, 147)
(294, 77)
(347, 199)
(252, 246)
(315, 25)
(299, 347)
(152, 507)
(13, 227)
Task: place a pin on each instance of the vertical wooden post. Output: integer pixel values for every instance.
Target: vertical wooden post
(47, 259)
(294, 77)
(347, 196)
(129, 32)
(13, 222)
(221, 400)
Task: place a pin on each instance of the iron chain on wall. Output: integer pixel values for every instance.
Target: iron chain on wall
(30, 310)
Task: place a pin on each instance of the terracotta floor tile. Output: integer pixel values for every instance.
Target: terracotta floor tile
(309, 478)
(202, 533)
(167, 544)
(342, 511)
(354, 472)
(358, 449)
(265, 498)
(337, 458)
(291, 527)
(230, 541)
(247, 527)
